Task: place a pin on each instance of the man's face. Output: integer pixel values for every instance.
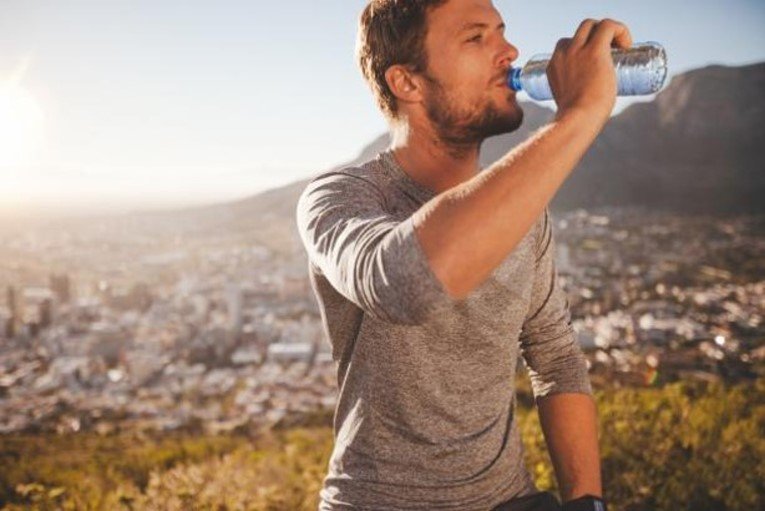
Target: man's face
(466, 94)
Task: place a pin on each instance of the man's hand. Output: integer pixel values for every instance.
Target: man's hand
(581, 71)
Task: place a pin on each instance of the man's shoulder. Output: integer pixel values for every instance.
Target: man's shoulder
(366, 174)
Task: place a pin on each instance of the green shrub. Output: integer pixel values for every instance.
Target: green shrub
(685, 446)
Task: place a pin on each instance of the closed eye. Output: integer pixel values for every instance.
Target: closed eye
(474, 39)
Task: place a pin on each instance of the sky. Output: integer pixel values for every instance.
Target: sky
(124, 104)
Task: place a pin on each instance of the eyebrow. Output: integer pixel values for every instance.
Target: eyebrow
(474, 24)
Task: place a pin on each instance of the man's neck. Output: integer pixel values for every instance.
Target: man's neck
(431, 162)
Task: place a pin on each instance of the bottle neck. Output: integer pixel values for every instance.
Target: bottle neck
(514, 78)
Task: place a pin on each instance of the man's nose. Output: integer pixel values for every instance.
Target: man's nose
(507, 54)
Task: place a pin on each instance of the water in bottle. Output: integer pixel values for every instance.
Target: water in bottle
(640, 69)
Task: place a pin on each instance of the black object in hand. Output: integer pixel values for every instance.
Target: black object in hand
(585, 503)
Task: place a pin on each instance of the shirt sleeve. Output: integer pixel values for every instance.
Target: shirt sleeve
(548, 342)
(371, 258)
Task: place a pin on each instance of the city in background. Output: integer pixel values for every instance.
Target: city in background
(128, 324)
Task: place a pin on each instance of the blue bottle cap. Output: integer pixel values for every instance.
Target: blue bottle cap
(514, 78)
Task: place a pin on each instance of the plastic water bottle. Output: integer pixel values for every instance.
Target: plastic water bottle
(640, 69)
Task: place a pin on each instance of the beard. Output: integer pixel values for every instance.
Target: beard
(461, 128)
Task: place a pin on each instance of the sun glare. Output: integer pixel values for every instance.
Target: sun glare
(21, 126)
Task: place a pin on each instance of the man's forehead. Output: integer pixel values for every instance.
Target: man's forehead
(458, 16)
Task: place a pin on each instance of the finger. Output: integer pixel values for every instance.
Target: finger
(611, 33)
(583, 32)
(562, 44)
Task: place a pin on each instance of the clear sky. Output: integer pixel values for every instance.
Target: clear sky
(123, 103)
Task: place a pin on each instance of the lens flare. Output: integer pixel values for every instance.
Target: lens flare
(21, 126)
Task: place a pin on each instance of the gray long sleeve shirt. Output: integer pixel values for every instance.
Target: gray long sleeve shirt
(425, 417)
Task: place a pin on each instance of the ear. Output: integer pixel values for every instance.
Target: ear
(404, 84)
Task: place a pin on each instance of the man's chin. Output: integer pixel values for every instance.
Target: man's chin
(506, 123)
(517, 113)
(516, 110)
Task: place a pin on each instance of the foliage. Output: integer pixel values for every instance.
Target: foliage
(685, 446)
(689, 445)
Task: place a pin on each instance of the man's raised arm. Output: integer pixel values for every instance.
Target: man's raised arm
(468, 230)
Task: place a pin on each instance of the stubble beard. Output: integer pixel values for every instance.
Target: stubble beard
(462, 130)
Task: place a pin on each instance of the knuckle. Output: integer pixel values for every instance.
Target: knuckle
(562, 42)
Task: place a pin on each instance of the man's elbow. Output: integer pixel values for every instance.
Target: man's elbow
(412, 303)
(454, 287)
(455, 281)
(398, 305)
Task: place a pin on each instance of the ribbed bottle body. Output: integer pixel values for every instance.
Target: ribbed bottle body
(640, 70)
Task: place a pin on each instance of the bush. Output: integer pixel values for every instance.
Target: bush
(689, 445)
(686, 446)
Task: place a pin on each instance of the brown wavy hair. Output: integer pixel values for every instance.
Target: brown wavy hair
(392, 32)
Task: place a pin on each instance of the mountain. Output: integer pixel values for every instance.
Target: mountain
(697, 147)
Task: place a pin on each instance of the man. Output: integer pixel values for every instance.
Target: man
(433, 276)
